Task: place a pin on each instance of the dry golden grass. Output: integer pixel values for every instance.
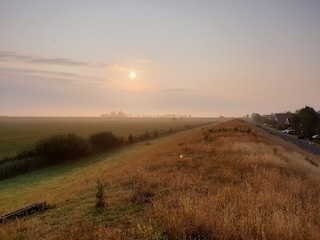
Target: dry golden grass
(229, 181)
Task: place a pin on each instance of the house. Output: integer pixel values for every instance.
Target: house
(284, 118)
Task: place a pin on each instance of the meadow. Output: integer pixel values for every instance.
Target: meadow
(19, 133)
(225, 181)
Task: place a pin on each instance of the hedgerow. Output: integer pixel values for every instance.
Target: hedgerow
(104, 141)
(59, 148)
(56, 149)
(62, 147)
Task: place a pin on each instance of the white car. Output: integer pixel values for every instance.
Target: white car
(289, 131)
(317, 136)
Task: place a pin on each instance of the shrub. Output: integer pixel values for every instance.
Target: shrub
(144, 137)
(104, 141)
(155, 134)
(25, 153)
(21, 166)
(100, 195)
(6, 159)
(62, 147)
(130, 139)
(170, 131)
(281, 127)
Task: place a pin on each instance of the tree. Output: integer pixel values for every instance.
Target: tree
(297, 123)
(257, 118)
(309, 121)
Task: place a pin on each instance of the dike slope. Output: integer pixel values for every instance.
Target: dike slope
(229, 181)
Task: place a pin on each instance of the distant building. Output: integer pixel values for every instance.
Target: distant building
(284, 118)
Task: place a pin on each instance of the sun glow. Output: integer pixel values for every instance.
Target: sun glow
(132, 75)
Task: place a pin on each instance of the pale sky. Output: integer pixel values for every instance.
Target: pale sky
(204, 58)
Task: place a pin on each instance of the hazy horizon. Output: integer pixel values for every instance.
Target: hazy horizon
(199, 58)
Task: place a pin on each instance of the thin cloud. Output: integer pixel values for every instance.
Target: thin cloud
(172, 89)
(53, 74)
(59, 61)
(9, 56)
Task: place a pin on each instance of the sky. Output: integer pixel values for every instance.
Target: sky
(200, 58)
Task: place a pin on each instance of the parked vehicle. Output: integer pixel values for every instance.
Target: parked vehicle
(289, 131)
(317, 136)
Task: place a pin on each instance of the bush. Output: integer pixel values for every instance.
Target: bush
(144, 137)
(62, 147)
(6, 159)
(130, 139)
(155, 134)
(55, 149)
(25, 153)
(104, 141)
(100, 195)
(21, 166)
(281, 127)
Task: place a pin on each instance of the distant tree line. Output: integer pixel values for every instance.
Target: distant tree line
(305, 121)
(121, 114)
(114, 114)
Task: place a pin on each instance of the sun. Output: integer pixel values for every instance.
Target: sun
(132, 75)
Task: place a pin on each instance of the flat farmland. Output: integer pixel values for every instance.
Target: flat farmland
(18, 133)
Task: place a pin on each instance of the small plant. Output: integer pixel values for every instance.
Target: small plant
(130, 139)
(100, 203)
(275, 150)
(206, 137)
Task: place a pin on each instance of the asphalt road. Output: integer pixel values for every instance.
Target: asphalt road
(313, 148)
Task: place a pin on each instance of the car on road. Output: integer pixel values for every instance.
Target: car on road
(289, 131)
(317, 136)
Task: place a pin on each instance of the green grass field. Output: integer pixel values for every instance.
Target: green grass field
(18, 133)
(54, 181)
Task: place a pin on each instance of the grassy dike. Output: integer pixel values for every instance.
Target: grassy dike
(229, 181)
